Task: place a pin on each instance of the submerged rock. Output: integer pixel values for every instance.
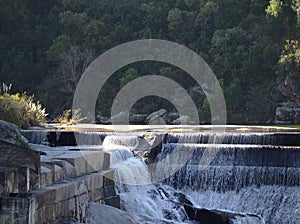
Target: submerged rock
(98, 213)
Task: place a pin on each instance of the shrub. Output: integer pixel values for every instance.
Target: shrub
(67, 118)
(21, 110)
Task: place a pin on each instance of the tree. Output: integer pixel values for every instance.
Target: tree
(72, 64)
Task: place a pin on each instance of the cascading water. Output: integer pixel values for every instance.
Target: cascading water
(150, 203)
(146, 203)
(255, 176)
(234, 167)
(259, 179)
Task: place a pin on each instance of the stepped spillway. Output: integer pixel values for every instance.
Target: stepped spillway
(254, 174)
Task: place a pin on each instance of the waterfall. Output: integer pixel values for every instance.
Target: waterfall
(35, 136)
(252, 177)
(259, 138)
(151, 203)
(256, 173)
(276, 204)
(234, 167)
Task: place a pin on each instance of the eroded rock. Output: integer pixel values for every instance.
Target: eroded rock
(11, 133)
(98, 213)
(159, 113)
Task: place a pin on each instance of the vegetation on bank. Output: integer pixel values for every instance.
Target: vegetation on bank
(252, 47)
(21, 110)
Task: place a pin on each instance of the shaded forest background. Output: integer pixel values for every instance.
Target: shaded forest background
(251, 45)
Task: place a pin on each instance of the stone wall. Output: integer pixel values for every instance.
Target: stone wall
(62, 201)
(13, 155)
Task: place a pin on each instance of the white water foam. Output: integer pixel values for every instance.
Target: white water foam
(146, 203)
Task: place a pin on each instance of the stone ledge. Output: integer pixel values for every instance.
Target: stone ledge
(61, 201)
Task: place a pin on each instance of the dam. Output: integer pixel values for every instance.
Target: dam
(157, 175)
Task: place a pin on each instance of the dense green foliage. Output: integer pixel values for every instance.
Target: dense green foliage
(251, 45)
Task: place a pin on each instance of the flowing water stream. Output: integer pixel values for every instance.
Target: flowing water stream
(252, 173)
(237, 181)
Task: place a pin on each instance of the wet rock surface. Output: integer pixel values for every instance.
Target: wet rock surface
(98, 213)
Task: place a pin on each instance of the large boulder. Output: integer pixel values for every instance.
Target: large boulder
(137, 118)
(171, 116)
(155, 115)
(287, 113)
(98, 213)
(207, 216)
(11, 133)
(146, 146)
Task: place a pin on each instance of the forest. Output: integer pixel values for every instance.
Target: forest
(252, 47)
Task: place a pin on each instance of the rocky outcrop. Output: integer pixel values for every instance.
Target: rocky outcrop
(182, 119)
(146, 146)
(137, 118)
(206, 216)
(287, 113)
(157, 114)
(290, 89)
(97, 213)
(159, 117)
(11, 133)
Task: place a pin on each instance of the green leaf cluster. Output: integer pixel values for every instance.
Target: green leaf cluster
(45, 46)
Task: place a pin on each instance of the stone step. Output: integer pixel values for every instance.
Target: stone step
(60, 165)
(61, 201)
(64, 138)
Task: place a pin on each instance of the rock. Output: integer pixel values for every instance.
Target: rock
(137, 118)
(182, 199)
(157, 120)
(205, 216)
(98, 213)
(117, 142)
(290, 88)
(11, 133)
(197, 90)
(159, 113)
(147, 146)
(287, 113)
(102, 120)
(171, 116)
(183, 119)
(156, 141)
